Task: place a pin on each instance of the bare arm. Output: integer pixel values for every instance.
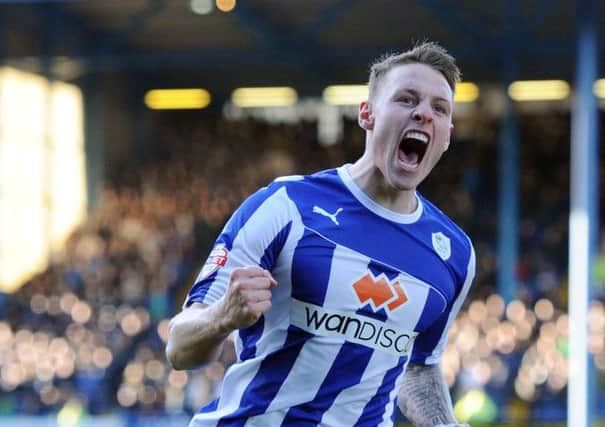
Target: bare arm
(424, 397)
(196, 335)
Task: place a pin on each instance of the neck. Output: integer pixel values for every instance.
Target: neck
(371, 180)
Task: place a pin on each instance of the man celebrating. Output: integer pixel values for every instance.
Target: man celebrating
(341, 286)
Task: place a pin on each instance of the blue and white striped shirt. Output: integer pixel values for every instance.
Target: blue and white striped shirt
(362, 291)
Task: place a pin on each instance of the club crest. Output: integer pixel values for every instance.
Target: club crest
(441, 244)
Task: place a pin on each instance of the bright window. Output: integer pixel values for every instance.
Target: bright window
(42, 175)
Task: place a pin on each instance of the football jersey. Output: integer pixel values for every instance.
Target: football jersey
(361, 292)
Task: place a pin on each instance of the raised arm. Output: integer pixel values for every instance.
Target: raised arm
(424, 397)
(196, 334)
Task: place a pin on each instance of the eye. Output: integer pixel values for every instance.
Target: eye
(407, 100)
(440, 109)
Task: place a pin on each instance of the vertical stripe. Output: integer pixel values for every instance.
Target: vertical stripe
(271, 374)
(350, 403)
(209, 407)
(438, 343)
(250, 336)
(275, 247)
(311, 267)
(311, 366)
(346, 371)
(268, 419)
(433, 301)
(393, 411)
(374, 411)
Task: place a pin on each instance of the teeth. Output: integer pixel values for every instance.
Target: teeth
(418, 136)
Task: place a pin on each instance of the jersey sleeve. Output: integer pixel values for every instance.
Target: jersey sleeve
(427, 350)
(254, 235)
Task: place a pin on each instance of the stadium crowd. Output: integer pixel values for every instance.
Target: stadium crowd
(92, 327)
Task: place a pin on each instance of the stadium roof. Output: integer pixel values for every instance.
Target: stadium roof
(302, 43)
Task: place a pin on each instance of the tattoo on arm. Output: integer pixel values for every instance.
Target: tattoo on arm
(424, 397)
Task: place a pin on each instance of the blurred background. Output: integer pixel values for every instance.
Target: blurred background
(131, 129)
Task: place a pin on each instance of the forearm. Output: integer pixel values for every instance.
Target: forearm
(424, 396)
(195, 337)
(196, 334)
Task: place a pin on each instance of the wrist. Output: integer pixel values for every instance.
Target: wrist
(224, 323)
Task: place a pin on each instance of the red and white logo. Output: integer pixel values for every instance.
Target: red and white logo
(380, 291)
(216, 259)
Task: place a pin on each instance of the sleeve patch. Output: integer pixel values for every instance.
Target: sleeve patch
(217, 259)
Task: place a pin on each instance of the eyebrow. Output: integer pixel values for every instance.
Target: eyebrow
(415, 93)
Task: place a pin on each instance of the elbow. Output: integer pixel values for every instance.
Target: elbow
(173, 351)
(183, 358)
(180, 361)
(188, 345)
(172, 357)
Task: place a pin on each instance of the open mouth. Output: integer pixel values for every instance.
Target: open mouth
(412, 147)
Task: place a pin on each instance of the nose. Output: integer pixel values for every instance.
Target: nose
(422, 114)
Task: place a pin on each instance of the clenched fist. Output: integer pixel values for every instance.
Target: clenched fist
(248, 296)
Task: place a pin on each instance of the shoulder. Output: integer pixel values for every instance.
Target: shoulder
(284, 192)
(326, 175)
(301, 183)
(445, 228)
(433, 213)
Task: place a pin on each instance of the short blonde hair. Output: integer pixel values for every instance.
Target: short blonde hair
(428, 53)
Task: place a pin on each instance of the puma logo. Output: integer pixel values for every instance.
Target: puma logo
(323, 212)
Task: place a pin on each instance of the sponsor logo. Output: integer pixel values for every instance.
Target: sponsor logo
(380, 292)
(441, 244)
(216, 259)
(383, 336)
(322, 211)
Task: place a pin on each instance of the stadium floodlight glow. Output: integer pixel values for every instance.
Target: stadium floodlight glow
(278, 96)
(345, 94)
(201, 7)
(538, 90)
(476, 406)
(354, 94)
(177, 99)
(466, 92)
(225, 5)
(599, 88)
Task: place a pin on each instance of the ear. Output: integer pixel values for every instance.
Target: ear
(449, 137)
(365, 117)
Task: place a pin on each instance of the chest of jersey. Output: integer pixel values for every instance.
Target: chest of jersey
(358, 268)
